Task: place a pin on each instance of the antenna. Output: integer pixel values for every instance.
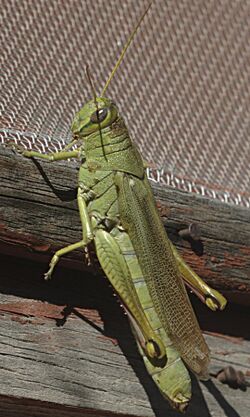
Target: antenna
(124, 49)
(91, 85)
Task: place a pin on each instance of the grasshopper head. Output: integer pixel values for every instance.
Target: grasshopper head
(94, 116)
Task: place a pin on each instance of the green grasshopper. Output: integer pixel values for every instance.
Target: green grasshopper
(119, 215)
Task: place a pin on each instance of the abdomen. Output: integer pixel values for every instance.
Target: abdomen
(171, 376)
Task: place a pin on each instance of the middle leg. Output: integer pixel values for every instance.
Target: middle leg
(60, 252)
(87, 235)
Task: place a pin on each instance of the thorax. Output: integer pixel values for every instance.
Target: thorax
(99, 192)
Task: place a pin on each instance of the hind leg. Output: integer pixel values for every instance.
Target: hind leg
(213, 299)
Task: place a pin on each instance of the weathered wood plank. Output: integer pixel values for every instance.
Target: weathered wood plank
(38, 214)
(86, 361)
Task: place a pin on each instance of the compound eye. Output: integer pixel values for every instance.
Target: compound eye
(99, 115)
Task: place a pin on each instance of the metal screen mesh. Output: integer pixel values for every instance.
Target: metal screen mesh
(183, 87)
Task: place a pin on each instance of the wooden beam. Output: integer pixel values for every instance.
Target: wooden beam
(39, 215)
(66, 346)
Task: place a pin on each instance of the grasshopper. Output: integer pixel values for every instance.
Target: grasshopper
(119, 216)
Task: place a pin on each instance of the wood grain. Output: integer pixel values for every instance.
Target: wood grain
(65, 345)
